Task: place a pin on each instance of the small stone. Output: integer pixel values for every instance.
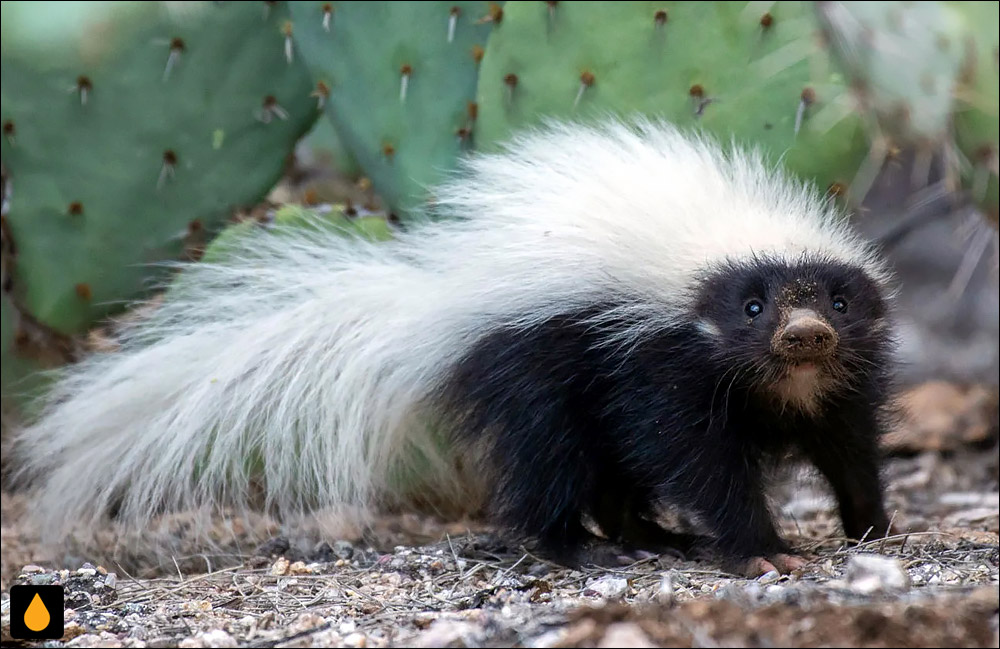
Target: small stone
(42, 579)
(769, 577)
(305, 622)
(215, 639)
(197, 606)
(31, 568)
(280, 567)
(298, 568)
(449, 633)
(87, 572)
(319, 638)
(102, 639)
(625, 634)
(132, 608)
(111, 580)
(665, 593)
(872, 573)
(72, 630)
(609, 588)
(356, 640)
(78, 598)
(552, 638)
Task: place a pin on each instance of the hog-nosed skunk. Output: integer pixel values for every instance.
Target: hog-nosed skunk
(612, 319)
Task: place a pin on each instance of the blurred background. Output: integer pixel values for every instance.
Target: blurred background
(945, 257)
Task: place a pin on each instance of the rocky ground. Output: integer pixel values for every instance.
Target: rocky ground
(421, 582)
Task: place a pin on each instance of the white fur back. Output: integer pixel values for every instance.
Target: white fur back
(317, 355)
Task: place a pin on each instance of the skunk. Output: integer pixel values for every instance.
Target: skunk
(608, 319)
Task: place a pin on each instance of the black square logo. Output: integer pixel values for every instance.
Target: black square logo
(36, 612)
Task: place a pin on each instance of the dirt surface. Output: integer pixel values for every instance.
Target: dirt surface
(421, 582)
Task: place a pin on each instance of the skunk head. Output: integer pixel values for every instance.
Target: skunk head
(794, 331)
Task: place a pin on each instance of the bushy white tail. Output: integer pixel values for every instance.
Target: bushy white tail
(289, 369)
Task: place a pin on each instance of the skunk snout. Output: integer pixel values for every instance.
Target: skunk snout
(805, 337)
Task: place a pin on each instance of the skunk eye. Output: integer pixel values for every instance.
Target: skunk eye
(753, 308)
(839, 304)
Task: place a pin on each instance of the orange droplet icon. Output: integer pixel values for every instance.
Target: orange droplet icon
(37, 617)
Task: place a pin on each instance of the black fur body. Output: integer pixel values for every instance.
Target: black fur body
(688, 417)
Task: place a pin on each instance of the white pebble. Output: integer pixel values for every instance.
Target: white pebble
(610, 588)
(872, 573)
(769, 577)
(625, 634)
(215, 639)
(665, 593)
(449, 633)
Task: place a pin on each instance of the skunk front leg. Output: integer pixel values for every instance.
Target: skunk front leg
(723, 485)
(846, 452)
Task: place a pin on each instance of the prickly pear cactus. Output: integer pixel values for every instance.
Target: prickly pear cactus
(371, 226)
(11, 368)
(977, 110)
(755, 71)
(903, 60)
(323, 148)
(398, 79)
(24, 356)
(130, 128)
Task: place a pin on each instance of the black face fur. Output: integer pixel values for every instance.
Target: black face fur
(747, 311)
(694, 417)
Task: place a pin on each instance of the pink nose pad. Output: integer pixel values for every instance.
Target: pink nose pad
(806, 336)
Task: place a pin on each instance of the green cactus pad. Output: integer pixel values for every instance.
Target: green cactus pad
(21, 380)
(131, 128)
(733, 69)
(977, 110)
(373, 227)
(903, 60)
(362, 54)
(11, 368)
(326, 150)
